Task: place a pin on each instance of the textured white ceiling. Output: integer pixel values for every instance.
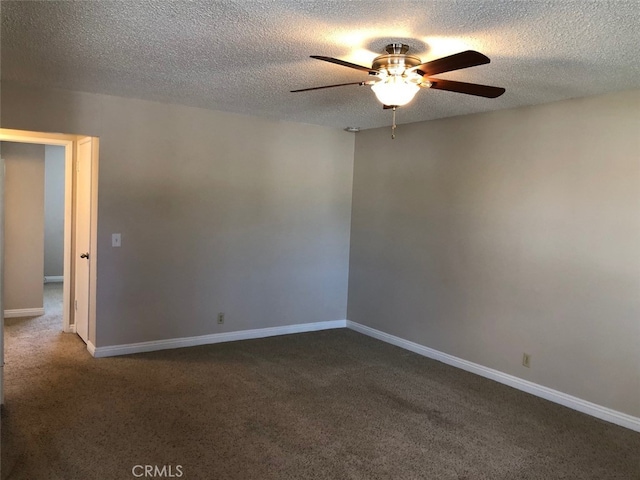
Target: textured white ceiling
(245, 56)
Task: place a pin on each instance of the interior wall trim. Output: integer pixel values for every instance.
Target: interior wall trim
(126, 349)
(575, 403)
(23, 312)
(92, 348)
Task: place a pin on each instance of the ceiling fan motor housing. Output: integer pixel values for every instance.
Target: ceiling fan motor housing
(396, 60)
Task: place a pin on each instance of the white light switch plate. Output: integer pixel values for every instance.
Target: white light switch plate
(116, 240)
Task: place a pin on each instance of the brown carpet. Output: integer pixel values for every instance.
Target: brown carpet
(325, 405)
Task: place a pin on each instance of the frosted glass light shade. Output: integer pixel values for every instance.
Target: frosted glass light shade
(395, 91)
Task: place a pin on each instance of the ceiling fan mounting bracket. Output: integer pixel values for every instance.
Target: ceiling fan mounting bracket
(395, 59)
(396, 48)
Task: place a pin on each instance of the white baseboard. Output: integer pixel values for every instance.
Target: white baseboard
(575, 403)
(23, 312)
(541, 391)
(113, 350)
(53, 279)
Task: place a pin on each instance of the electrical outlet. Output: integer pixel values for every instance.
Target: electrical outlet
(220, 318)
(526, 360)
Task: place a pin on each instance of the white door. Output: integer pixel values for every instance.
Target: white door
(1, 281)
(83, 257)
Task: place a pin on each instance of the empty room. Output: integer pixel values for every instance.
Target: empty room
(320, 240)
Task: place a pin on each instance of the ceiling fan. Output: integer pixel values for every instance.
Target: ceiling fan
(400, 75)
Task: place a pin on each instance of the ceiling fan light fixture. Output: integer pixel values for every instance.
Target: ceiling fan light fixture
(395, 90)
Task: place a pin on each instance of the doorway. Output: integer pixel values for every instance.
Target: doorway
(79, 231)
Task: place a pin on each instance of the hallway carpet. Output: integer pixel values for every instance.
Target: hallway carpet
(324, 405)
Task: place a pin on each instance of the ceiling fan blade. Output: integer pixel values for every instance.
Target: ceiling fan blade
(468, 88)
(330, 86)
(467, 59)
(344, 64)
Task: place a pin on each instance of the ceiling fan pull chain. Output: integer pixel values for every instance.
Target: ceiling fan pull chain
(393, 126)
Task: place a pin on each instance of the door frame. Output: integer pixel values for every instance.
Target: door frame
(68, 142)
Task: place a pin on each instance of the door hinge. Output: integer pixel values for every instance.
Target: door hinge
(76, 304)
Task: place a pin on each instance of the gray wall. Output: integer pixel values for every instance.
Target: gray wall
(483, 236)
(218, 212)
(53, 211)
(24, 225)
(491, 235)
